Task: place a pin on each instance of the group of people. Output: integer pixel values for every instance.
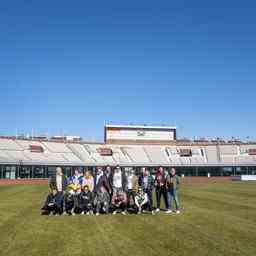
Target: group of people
(111, 191)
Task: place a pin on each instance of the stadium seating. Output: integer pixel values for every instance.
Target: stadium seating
(157, 154)
(136, 154)
(228, 149)
(80, 151)
(8, 144)
(212, 154)
(16, 151)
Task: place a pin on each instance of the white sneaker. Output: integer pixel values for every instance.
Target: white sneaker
(88, 213)
(178, 211)
(114, 213)
(124, 213)
(168, 211)
(157, 210)
(82, 213)
(73, 214)
(153, 213)
(97, 214)
(139, 212)
(64, 213)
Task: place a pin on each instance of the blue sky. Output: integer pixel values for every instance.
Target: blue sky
(72, 65)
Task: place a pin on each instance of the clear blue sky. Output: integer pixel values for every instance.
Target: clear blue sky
(72, 65)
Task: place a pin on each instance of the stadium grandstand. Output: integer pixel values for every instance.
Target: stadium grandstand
(127, 146)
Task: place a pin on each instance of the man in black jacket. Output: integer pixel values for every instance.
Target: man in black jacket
(53, 204)
(102, 190)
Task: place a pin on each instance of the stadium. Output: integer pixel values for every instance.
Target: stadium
(127, 128)
(127, 146)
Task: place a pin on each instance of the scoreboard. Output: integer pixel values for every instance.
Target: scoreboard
(139, 133)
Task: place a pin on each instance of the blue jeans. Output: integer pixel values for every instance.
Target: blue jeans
(172, 194)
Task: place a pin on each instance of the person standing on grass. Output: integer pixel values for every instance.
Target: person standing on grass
(160, 186)
(172, 187)
(108, 172)
(76, 178)
(146, 182)
(88, 180)
(119, 188)
(59, 181)
(132, 188)
(102, 192)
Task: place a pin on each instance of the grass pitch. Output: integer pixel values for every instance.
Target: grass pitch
(217, 219)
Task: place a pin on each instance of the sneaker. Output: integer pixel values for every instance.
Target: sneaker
(178, 211)
(64, 213)
(168, 211)
(157, 210)
(91, 212)
(82, 213)
(88, 213)
(139, 212)
(73, 214)
(124, 213)
(97, 214)
(114, 213)
(153, 213)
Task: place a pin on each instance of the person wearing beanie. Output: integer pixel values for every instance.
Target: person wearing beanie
(141, 200)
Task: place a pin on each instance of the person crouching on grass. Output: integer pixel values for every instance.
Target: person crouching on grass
(86, 201)
(141, 200)
(53, 203)
(72, 199)
(119, 202)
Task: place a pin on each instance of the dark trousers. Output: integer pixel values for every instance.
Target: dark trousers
(122, 207)
(86, 207)
(55, 209)
(130, 198)
(104, 206)
(161, 191)
(150, 200)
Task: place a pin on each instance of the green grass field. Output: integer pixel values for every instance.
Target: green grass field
(217, 219)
